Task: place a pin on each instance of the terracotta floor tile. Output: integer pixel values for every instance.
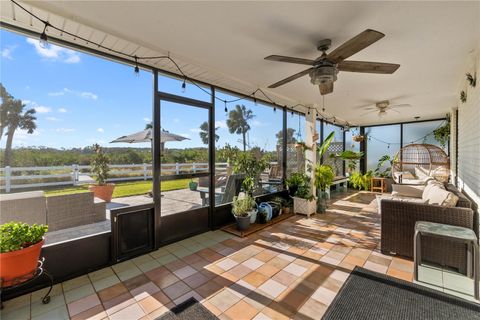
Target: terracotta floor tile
(95, 313)
(132, 312)
(313, 309)
(162, 298)
(144, 291)
(240, 270)
(224, 300)
(136, 282)
(241, 310)
(175, 265)
(166, 281)
(112, 292)
(118, 303)
(176, 290)
(255, 278)
(265, 255)
(212, 308)
(268, 270)
(83, 304)
(150, 304)
(209, 289)
(195, 280)
(157, 273)
(294, 300)
(278, 262)
(407, 276)
(284, 278)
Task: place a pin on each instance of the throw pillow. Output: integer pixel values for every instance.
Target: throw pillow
(451, 200)
(405, 190)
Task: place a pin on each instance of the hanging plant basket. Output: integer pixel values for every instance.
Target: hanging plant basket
(358, 138)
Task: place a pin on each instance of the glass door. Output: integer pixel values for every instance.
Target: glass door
(185, 169)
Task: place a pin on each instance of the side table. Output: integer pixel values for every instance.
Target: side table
(452, 233)
(377, 184)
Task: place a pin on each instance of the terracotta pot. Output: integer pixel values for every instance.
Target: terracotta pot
(103, 192)
(19, 265)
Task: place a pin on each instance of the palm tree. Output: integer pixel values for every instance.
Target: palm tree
(17, 118)
(204, 133)
(148, 126)
(290, 136)
(4, 107)
(237, 122)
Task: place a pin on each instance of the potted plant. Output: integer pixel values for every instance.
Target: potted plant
(20, 246)
(358, 138)
(100, 169)
(304, 201)
(294, 181)
(242, 209)
(323, 179)
(193, 185)
(262, 216)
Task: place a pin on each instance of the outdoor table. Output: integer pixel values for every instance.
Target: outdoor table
(452, 233)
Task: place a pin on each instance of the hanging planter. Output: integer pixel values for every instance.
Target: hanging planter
(472, 80)
(358, 138)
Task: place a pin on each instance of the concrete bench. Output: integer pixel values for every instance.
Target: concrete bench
(340, 181)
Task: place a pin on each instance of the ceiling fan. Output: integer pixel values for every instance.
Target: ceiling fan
(382, 107)
(325, 68)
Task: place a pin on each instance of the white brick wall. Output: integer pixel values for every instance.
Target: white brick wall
(469, 134)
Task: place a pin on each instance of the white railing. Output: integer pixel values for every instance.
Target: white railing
(73, 175)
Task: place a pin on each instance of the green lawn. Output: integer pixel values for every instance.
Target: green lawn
(126, 189)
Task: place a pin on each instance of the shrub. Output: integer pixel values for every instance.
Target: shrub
(17, 235)
(241, 207)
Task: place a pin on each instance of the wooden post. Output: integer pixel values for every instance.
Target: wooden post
(145, 172)
(177, 168)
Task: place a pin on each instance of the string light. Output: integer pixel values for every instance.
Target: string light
(274, 108)
(137, 69)
(226, 110)
(184, 86)
(292, 113)
(43, 42)
(135, 59)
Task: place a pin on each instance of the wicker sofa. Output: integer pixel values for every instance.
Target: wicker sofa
(398, 218)
(59, 212)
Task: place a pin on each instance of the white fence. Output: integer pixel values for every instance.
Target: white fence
(35, 177)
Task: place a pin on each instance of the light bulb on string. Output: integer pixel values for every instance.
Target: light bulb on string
(226, 110)
(43, 42)
(184, 86)
(136, 69)
(274, 108)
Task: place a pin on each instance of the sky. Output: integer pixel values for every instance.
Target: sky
(81, 99)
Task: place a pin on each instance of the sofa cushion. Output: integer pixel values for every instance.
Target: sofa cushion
(463, 201)
(406, 190)
(431, 188)
(451, 200)
(381, 197)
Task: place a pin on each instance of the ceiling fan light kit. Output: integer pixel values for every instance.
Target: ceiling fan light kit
(324, 69)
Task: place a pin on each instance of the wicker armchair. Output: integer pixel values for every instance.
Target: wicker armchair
(398, 220)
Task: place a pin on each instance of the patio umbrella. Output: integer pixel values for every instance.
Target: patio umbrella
(147, 136)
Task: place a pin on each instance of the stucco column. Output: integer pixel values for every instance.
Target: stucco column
(311, 140)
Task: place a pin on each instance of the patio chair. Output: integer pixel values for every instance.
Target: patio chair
(232, 188)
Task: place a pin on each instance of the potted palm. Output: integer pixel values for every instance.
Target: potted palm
(323, 179)
(20, 246)
(100, 169)
(193, 185)
(294, 181)
(243, 209)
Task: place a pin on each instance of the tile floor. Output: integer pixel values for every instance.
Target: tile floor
(291, 270)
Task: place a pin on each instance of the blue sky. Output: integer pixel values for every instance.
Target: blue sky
(81, 99)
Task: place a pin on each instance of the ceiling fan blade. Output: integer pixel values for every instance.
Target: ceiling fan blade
(291, 78)
(369, 112)
(354, 45)
(404, 105)
(326, 88)
(274, 57)
(368, 67)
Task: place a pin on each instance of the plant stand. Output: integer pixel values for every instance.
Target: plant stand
(25, 280)
(304, 206)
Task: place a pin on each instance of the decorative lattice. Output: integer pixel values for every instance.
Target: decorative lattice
(421, 160)
(337, 164)
(295, 159)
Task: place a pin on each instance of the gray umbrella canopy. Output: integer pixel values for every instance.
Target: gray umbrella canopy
(147, 136)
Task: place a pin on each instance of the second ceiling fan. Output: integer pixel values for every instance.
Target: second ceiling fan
(325, 68)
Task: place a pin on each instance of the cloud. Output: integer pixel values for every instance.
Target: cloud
(176, 120)
(83, 94)
(195, 130)
(100, 130)
(26, 101)
(53, 119)
(64, 130)
(62, 110)
(55, 53)
(42, 109)
(221, 124)
(147, 119)
(89, 95)
(7, 52)
(24, 135)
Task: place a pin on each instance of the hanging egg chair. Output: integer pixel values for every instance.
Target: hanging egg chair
(415, 163)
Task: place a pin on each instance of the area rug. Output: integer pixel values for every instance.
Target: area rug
(371, 295)
(188, 310)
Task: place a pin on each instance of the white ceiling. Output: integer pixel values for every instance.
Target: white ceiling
(224, 43)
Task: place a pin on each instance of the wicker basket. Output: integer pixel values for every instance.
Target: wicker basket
(304, 206)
